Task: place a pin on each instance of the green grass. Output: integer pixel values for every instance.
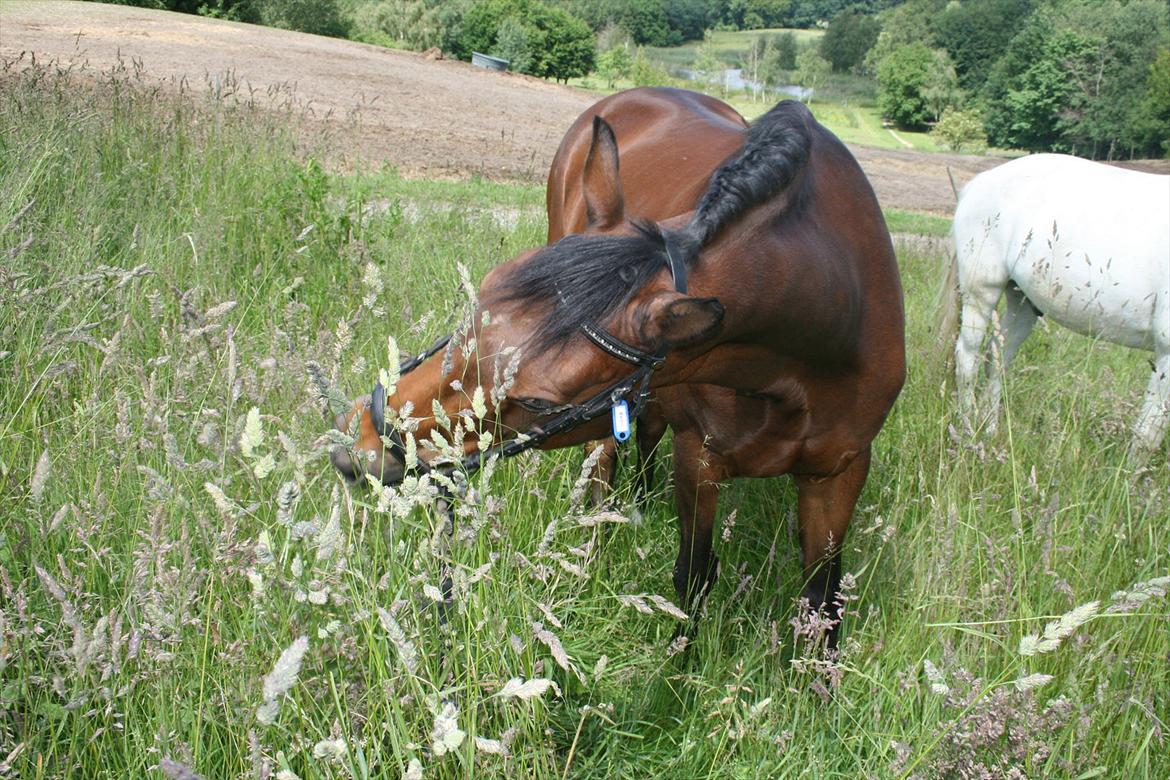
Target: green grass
(915, 223)
(862, 125)
(138, 619)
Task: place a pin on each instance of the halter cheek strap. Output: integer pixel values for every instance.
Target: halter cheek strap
(564, 418)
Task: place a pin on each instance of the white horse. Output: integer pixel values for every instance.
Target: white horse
(1085, 244)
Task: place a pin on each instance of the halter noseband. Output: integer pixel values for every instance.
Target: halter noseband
(564, 418)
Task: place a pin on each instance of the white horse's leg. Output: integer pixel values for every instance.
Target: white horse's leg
(1154, 417)
(1018, 320)
(978, 304)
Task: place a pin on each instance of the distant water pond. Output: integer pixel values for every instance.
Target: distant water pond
(734, 80)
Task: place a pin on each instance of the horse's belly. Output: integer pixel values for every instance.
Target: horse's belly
(1095, 299)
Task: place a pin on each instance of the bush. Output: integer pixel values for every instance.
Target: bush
(811, 70)
(645, 73)
(961, 131)
(615, 63)
(320, 17)
(562, 45)
(413, 24)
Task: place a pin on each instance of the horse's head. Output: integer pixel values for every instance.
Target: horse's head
(561, 333)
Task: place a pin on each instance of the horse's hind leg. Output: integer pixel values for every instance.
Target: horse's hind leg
(979, 302)
(825, 508)
(1019, 317)
(1154, 418)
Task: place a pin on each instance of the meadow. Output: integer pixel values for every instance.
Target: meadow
(728, 45)
(187, 589)
(845, 103)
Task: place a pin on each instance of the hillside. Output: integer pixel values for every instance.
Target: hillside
(435, 119)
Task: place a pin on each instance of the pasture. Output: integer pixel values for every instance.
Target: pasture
(729, 46)
(188, 589)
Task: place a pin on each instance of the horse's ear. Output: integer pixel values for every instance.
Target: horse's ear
(604, 204)
(675, 321)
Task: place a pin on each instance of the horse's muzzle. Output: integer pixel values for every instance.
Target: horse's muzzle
(368, 455)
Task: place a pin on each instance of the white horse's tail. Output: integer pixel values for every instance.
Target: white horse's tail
(948, 309)
(947, 303)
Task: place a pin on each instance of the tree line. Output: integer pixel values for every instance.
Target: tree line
(1088, 77)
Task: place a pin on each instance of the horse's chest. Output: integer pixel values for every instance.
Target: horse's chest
(756, 434)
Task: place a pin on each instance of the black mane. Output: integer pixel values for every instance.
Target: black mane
(588, 278)
(583, 278)
(776, 150)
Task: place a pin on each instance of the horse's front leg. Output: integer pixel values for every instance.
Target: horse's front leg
(601, 481)
(651, 429)
(825, 508)
(697, 474)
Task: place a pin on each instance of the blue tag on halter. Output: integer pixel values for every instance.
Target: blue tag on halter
(621, 421)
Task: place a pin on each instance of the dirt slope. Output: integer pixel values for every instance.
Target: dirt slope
(429, 118)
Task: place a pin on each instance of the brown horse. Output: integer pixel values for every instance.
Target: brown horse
(745, 273)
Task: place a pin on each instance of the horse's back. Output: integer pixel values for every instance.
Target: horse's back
(670, 141)
(1087, 243)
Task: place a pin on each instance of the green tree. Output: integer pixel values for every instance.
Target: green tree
(512, 45)
(752, 14)
(645, 73)
(707, 68)
(1154, 122)
(786, 50)
(1075, 79)
(976, 34)
(1026, 114)
(320, 17)
(415, 24)
(810, 13)
(811, 70)
(900, 25)
(688, 18)
(232, 10)
(562, 45)
(646, 22)
(778, 57)
(941, 88)
(850, 35)
(649, 22)
(615, 63)
(960, 131)
(753, 63)
(903, 77)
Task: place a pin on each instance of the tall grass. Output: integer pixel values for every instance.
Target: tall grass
(186, 586)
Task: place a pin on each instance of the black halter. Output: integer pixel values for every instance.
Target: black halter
(635, 386)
